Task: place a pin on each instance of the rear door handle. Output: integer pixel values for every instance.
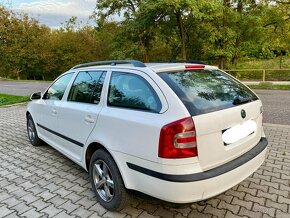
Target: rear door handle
(89, 119)
(54, 111)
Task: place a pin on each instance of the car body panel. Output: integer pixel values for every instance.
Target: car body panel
(132, 136)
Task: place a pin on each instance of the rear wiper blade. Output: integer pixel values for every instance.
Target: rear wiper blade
(238, 101)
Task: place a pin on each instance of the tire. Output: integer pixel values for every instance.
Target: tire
(31, 132)
(107, 182)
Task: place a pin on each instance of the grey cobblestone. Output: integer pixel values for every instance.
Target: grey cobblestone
(110, 214)
(51, 211)
(21, 208)
(46, 195)
(29, 198)
(97, 208)
(250, 191)
(238, 194)
(215, 211)
(11, 202)
(82, 212)
(276, 205)
(32, 213)
(85, 202)
(39, 204)
(251, 198)
(69, 206)
(262, 194)
(281, 214)
(250, 213)
(233, 208)
(40, 182)
(262, 209)
(4, 211)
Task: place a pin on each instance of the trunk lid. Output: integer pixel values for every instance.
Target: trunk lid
(213, 151)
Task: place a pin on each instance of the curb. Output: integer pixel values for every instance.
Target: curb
(11, 105)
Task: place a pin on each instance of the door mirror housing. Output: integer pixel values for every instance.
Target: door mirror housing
(35, 96)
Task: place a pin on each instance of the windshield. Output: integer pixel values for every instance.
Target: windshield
(204, 91)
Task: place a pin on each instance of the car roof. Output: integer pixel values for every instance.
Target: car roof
(132, 64)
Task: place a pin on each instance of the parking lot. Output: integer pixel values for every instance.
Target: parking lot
(40, 182)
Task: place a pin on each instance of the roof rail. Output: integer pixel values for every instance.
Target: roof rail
(187, 61)
(112, 62)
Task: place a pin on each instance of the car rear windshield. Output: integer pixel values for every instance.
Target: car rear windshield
(204, 91)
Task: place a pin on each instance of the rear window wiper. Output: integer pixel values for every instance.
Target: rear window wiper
(238, 101)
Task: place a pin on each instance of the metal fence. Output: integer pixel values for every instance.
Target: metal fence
(262, 75)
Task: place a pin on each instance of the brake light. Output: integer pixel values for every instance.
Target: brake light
(196, 66)
(178, 139)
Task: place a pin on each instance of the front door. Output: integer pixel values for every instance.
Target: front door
(47, 109)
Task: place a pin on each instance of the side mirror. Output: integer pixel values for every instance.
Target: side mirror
(35, 96)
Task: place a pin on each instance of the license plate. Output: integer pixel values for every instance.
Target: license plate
(239, 132)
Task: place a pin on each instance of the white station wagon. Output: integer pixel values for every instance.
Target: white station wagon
(180, 132)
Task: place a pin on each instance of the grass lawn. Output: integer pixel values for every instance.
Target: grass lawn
(12, 99)
(273, 63)
(270, 86)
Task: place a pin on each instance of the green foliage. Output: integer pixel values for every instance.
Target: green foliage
(33, 51)
(223, 32)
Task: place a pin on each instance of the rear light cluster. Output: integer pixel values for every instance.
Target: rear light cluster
(178, 139)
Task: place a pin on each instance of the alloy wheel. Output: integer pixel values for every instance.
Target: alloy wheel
(103, 181)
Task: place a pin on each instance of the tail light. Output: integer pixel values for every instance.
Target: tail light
(178, 139)
(194, 66)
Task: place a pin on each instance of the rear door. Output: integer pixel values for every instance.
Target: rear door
(227, 115)
(79, 113)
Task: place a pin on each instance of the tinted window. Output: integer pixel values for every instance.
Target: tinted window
(132, 91)
(87, 87)
(204, 91)
(57, 89)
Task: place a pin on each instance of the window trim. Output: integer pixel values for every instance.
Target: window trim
(156, 96)
(62, 75)
(191, 108)
(103, 72)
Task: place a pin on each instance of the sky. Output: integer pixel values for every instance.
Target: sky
(53, 12)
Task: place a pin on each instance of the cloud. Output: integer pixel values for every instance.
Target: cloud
(57, 11)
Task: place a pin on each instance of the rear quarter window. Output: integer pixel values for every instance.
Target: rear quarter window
(204, 91)
(128, 90)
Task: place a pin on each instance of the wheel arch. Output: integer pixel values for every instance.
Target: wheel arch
(28, 113)
(94, 146)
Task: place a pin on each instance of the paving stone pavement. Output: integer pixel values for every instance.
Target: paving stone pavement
(40, 182)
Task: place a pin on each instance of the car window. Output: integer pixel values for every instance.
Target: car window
(132, 91)
(87, 87)
(204, 91)
(57, 89)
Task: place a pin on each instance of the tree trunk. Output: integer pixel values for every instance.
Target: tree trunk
(221, 62)
(145, 43)
(240, 7)
(182, 34)
(235, 57)
(145, 56)
(281, 59)
(222, 43)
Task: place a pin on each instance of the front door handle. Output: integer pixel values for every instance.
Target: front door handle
(89, 119)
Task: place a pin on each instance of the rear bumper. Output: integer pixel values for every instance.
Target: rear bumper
(198, 186)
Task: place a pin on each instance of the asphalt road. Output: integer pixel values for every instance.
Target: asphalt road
(22, 88)
(276, 103)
